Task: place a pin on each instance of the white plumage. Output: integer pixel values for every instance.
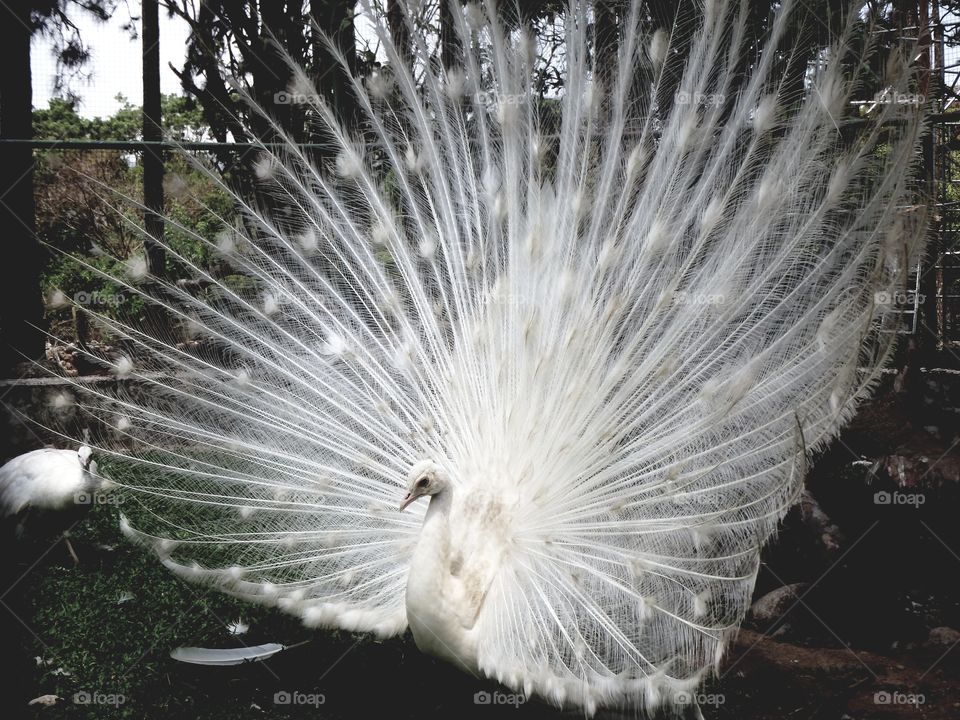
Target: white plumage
(604, 350)
(47, 480)
(46, 491)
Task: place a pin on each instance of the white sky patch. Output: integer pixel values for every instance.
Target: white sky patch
(115, 65)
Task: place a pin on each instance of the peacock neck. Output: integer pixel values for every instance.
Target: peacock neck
(439, 508)
(432, 593)
(434, 541)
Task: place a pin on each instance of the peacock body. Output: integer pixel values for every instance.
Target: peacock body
(601, 349)
(47, 479)
(44, 489)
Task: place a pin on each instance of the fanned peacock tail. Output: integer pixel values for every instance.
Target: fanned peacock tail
(632, 325)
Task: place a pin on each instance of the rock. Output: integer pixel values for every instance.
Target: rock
(776, 603)
(942, 636)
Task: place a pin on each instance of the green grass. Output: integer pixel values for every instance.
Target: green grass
(91, 643)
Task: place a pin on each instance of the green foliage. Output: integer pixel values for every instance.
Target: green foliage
(87, 206)
(182, 119)
(61, 121)
(93, 639)
(194, 203)
(88, 288)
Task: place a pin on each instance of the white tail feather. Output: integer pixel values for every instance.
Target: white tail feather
(629, 332)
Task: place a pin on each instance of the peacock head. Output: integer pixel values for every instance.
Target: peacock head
(424, 478)
(85, 453)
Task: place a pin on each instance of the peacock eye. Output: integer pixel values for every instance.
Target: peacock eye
(422, 482)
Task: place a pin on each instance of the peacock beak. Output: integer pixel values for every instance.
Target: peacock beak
(407, 500)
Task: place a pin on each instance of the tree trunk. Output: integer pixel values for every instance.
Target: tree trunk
(21, 307)
(399, 31)
(448, 35)
(153, 158)
(607, 41)
(335, 19)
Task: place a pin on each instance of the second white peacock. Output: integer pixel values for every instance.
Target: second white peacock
(47, 490)
(587, 341)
